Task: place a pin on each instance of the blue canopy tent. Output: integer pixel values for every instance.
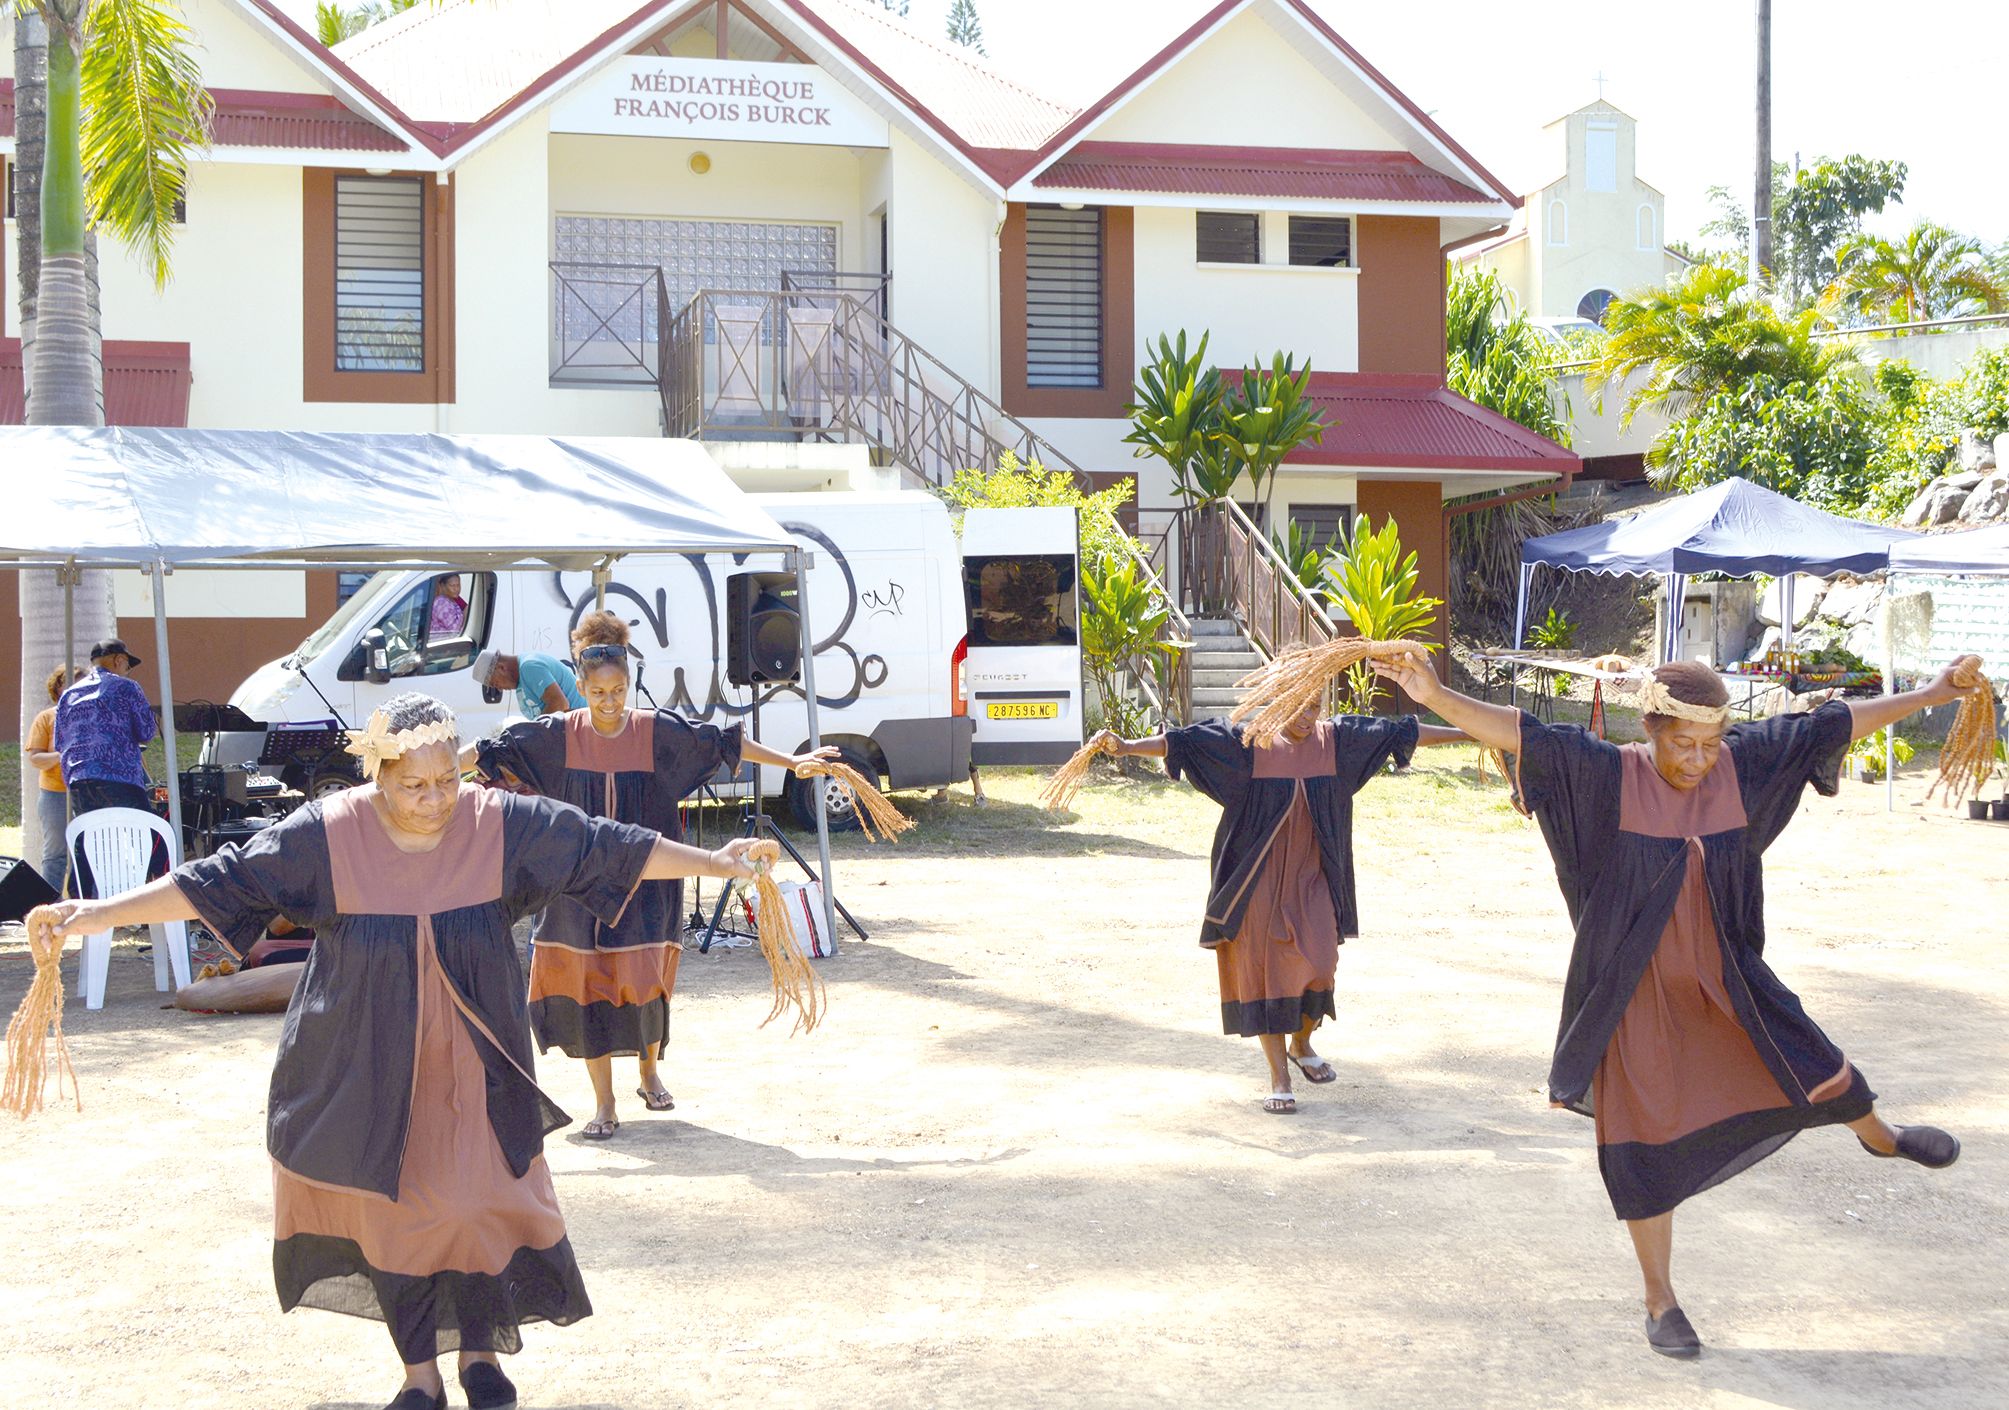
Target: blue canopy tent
(1977, 552)
(1735, 528)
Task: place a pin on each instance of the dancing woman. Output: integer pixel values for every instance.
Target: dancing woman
(1693, 1057)
(600, 988)
(405, 1129)
(1281, 901)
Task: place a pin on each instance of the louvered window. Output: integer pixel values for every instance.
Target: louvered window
(379, 274)
(1230, 237)
(1063, 297)
(1323, 241)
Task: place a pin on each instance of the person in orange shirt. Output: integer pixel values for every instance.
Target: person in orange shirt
(52, 800)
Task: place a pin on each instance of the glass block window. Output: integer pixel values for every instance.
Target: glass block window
(604, 259)
(1322, 241)
(1230, 237)
(379, 274)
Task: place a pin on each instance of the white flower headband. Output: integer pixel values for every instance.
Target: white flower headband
(378, 743)
(1656, 699)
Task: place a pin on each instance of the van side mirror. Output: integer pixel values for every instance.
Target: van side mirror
(376, 658)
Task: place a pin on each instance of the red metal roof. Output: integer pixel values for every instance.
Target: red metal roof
(248, 117)
(1414, 422)
(146, 384)
(1286, 172)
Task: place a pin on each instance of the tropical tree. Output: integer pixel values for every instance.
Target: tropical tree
(965, 28)
(1702, 333)
(1177, 417)
(122, 105)
(1370, 579)
(1815, 209)
(1929, 272)
(1122, 620)
(1017, 484)
(1265, 417)
(1497, 358)
(334, 23)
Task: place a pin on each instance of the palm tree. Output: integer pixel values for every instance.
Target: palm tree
(1706, 331)
(1932, 272)
(333, 24)
(1501, 361)
(124, 105)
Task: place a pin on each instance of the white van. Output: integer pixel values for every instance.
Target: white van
(1021, 584)
(886, 604)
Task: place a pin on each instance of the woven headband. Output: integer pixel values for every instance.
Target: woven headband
(1656, 699)
(379, 742)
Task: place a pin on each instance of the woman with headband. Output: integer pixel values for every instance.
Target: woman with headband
(600, 985)
(1692, 1056)
(406, 1132)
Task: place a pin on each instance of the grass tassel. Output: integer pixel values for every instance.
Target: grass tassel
(1275, 694)
(1059, 794)
(1968, 756)
(38, 1019)
(797, 985)
(876, 816)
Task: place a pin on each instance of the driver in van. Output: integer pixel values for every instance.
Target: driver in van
(449, 608)
(544, 685)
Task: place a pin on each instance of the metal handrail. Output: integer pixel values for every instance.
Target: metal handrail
(1232, 567)
(610, 298)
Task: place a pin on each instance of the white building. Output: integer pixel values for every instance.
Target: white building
(1595, 231)
(790, 221)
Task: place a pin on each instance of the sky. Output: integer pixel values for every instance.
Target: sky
(1684, 70)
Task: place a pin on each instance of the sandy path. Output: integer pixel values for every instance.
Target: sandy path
(1019, 1166)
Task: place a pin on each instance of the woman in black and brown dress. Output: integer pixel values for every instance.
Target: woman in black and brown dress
(1693, 1057)
(405, 1129)
(1281, 901)
(600, 988)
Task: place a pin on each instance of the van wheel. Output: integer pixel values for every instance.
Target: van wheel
(319, 782)
(840, 805)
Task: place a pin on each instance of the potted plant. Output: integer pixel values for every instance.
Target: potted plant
(1999, 809)
(1866, 755)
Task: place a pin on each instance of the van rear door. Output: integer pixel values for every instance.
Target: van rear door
(1022, 589)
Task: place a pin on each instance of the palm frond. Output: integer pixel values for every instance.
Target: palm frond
(144, 112)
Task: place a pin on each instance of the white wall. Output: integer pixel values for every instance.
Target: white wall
(1251, 310)
(233, 53)
(945, 262)
(1246, 86)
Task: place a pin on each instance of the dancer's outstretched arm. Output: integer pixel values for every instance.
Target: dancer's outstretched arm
(1870, 715)
(1149, 747)
(1440, 734)
(1495, 726)
(158, 901)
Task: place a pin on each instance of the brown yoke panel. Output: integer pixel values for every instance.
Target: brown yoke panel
(1653, 807)
(373, 876)
(632, 751)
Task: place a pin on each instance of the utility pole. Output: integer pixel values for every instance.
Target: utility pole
(1761, 194)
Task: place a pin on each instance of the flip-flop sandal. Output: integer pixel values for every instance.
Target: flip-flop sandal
(605, 1131)
(1317, 1075)
(1280, 1104)
(656, 1101)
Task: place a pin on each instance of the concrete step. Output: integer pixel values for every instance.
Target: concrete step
(1214, 702)
(1217, 680)
(1214, 626)
(1210, 660)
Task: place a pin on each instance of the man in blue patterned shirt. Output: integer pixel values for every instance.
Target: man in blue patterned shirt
(102, 722)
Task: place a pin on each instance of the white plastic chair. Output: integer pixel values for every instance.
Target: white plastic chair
(118, 847)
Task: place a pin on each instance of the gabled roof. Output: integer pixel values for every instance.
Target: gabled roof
(1301, 12)
(1402, 422)
(1279, 172)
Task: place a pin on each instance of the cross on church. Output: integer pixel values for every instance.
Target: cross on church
(1600, 85)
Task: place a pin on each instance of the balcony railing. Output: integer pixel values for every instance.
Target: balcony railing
(1229, 566)
(606, 324)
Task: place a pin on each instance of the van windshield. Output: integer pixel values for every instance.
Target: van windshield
(366, 597)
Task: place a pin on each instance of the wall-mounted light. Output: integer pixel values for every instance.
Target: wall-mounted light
(1070, 205)
(700, 163)
(376, 171)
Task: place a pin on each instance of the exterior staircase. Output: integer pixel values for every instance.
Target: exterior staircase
(1221, 655)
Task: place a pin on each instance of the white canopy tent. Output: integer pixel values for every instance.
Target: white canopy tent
(159, 499)
(1972, 553)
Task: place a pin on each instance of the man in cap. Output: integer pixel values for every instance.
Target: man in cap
(102, 723)
(543, 684)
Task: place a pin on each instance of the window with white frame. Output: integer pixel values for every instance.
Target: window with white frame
(379, 274)
(1229, 237)
(1559, 223)
(1063, 297)
(1649, 232)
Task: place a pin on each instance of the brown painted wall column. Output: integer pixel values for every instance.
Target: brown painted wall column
(1401, 295)
(1417, 506)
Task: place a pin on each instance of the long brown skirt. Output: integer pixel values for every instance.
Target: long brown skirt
(467, 1252)
(1277, 972)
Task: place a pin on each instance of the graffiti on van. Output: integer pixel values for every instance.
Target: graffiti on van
(652, 618)
(885, 604)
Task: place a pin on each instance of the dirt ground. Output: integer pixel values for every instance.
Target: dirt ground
(1020, 1165)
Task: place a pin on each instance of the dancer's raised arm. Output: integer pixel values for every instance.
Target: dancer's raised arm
(1495, 726)
(1869, 715)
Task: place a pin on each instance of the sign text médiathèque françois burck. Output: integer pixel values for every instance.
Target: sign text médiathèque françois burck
(688, 97)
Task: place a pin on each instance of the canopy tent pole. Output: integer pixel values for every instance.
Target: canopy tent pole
(798, 564)
(1889, 688)
(67, 576)
(1787, 611)
(1520, 628)
(167, 702)
(602, 573)
(1677, 602)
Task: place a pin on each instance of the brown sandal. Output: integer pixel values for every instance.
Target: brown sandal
(1280, 1104)
(605, 1132)
(656, 1101)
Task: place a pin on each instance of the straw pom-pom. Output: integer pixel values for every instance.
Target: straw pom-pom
(38, 1019)
(876, 816)
(1968, 756)
(1060, 791)
(797, 985)
(1275, 694)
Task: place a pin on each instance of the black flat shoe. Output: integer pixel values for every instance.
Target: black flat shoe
(487, 1388)
(1671, 1335)
(1928, 1145)
(416, 1399)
